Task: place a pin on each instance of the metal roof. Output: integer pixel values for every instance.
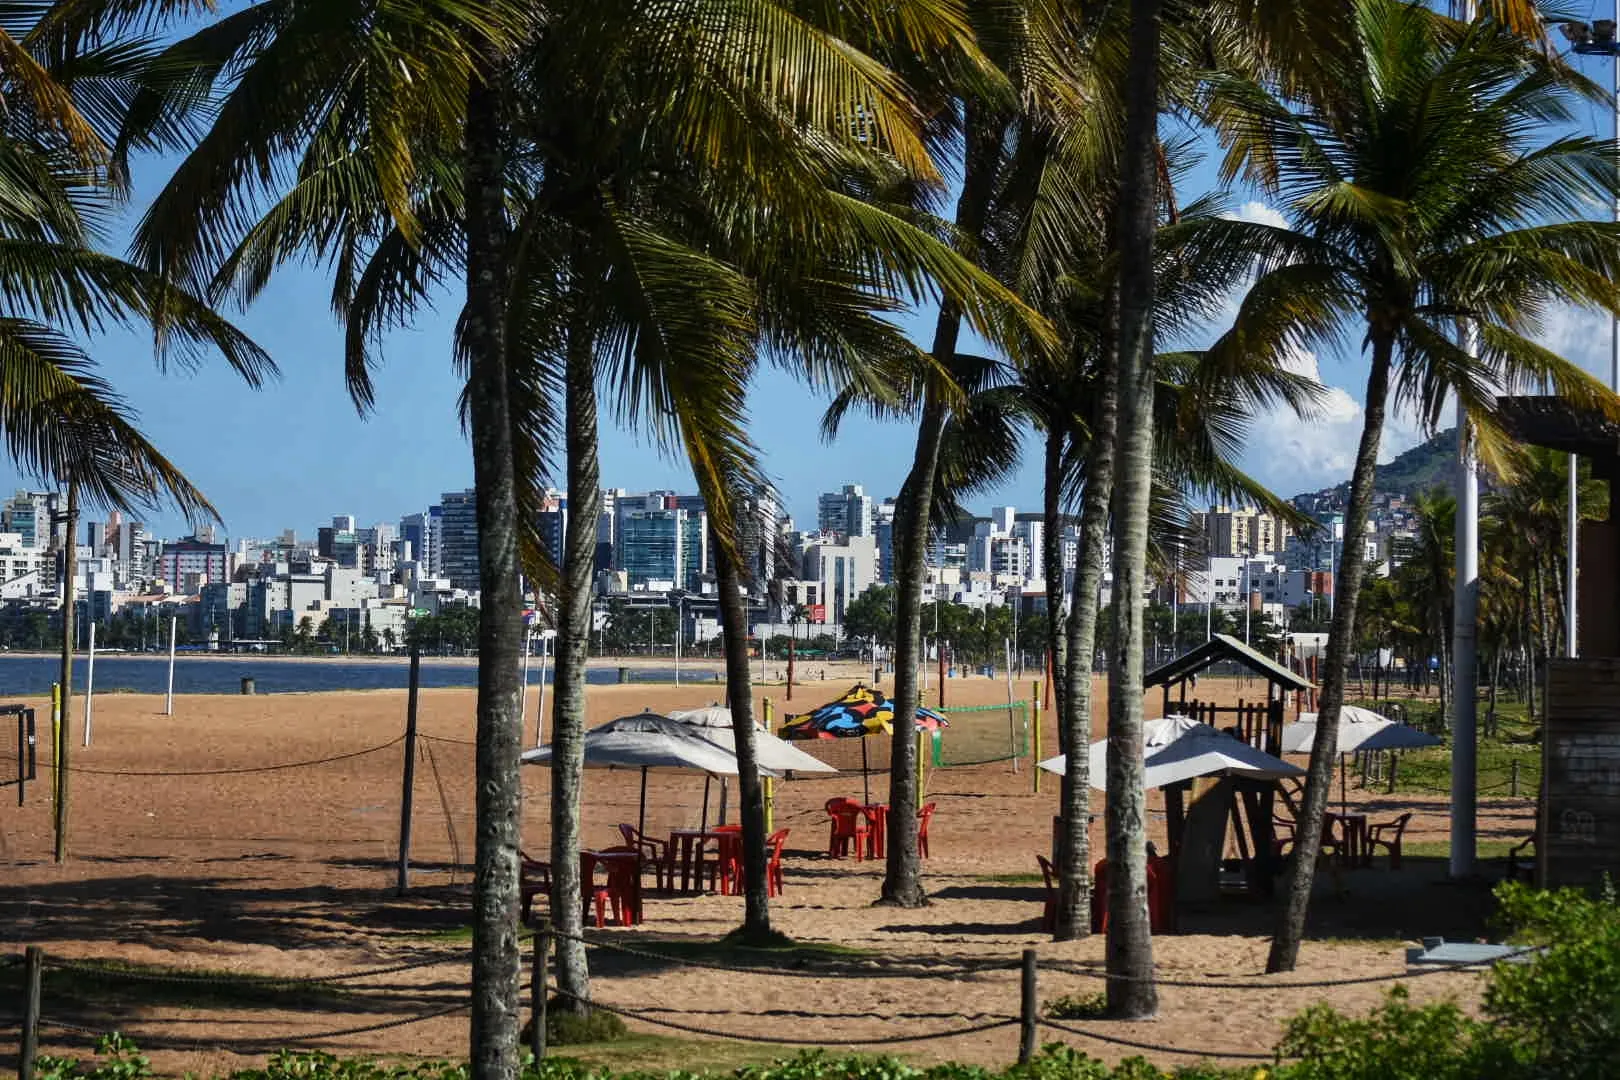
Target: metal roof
(1555, 423)
(1215, 650)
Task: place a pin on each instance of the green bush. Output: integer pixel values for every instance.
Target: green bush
(1077, 1007)
(116, 1059)
(1561, 1009)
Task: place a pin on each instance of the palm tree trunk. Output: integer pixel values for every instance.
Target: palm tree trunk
(573, 637)
(1301, 871)
(756, 928)
(70, 571)
(1129, 952)
(1074, 852)
(1052, 556)
(902, 877)
(499, 800)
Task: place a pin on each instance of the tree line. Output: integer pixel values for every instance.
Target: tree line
(634, 205)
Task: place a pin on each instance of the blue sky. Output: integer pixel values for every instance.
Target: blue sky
(295, 453)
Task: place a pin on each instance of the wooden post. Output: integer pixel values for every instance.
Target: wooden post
(407, 794)
(1513, 783)
(1035, 738)
(1028, 1010)
(537, 990)
(1393, 761)
(34, 961)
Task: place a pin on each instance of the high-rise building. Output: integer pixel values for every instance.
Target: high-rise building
(424, 532)
(849, 512)
(32, 515)
(458, 550)
(1243, 531)
(553, 524)
(663, 548)
(191, 559)
(842, 570)
(756, 534)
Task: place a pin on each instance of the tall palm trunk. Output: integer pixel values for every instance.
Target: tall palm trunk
(902, 877)
(1052, 556)
(499, 798)
(1074, 854)
(70, 571)
(573, 638)
(1131, 993)
(750, 792)
(1319, 779)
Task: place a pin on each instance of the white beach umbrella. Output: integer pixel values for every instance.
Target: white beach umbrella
(648, 741)
(713, 722)
(1180, 748)
(1359, 729)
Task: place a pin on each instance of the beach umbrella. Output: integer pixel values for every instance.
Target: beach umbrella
(859, 712)
(713, 722)
(648, 741)
(1359, 729)
(1180, 748)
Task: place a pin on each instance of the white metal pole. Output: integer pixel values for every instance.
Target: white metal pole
(168, 701)
(540, 715)
(678, 614)
(90, 683)
(1248, 586)
(1465, 620)
(523, 695)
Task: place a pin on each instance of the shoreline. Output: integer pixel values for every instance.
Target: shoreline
(598, 663)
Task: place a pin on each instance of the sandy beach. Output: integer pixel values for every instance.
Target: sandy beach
(291, 872)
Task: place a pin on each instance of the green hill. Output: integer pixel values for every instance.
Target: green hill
(1429, 464)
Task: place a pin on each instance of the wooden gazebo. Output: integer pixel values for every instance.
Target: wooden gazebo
(1258, 723)
(1198, 833)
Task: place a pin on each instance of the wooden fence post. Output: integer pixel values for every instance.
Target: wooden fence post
(34, 961)
(1513, 783)
(537, 990)
(1028, 1010)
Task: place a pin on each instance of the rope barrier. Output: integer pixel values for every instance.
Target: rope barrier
(239, 771)
(1135, 1044)
(445, 739)
(1313, 984)
(170, 1042)
(949, 968)
(91, 967)
(694, 1029)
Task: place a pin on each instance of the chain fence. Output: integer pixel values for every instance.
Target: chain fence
(688, 1020)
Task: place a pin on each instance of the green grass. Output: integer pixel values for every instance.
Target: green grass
(1516, 740)
(1010, 879)
(1440, 849)
(100, 983)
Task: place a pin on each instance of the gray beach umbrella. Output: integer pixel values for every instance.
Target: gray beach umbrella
(1179, 748)
(648, 741)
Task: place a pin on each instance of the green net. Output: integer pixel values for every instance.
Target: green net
(981, 734)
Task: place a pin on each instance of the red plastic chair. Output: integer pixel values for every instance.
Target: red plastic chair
(654, 853)
(623, 889)
(1387, 835)
(534, 879)
(1160, 891)
(923, 816)
(773, 867)
(1049, 915)
(725, 873)
(848, 829)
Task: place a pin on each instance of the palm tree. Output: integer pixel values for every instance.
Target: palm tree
(1410, 190)
(612, 279)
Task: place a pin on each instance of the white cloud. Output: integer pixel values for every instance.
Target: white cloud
(1289, 453)
(1260, 213)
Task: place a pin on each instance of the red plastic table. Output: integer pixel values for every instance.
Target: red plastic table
(877, 821)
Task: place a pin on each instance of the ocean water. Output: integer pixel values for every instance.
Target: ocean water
(33, 675)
